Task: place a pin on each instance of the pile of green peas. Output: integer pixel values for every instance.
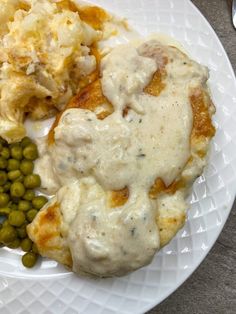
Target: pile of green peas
(18, 202)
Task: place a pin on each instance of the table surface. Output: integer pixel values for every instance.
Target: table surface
(212, 287)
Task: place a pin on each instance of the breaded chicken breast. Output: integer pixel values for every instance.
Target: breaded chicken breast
(50, 230)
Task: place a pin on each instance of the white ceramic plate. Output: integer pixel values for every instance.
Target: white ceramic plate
(51, 289)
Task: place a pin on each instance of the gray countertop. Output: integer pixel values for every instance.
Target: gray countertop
(212, 287)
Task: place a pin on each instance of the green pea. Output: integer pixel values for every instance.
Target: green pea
(16, 151)
(35, 249)
(39, 201)
(26, 167)
(26, 245)
(30, 215)
(5, 211)
(13, 164)
(16, 218)
(29, 259)
(5, 152)
(25, 142)
(17, 182)
(7, 234)
(3, 177)
(7, 186)
(14, 174)
(5, 223)
(4, 199)
(17, 189)
(32, 181)
(20, 179)
(30, 152)
(14, 244)
(3, 163)
(29, 195)
(24, 205)
(21, 231)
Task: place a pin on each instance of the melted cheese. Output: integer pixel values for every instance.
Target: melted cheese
(45, 53)
(91, 156)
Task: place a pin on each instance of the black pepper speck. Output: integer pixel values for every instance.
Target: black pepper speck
(141, 155)
(132, 231)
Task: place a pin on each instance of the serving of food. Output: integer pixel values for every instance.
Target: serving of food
(101, 138)
(131, 134)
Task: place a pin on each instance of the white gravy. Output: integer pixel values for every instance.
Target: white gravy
(92, 156)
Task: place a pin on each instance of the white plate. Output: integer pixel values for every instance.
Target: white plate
(50, 289)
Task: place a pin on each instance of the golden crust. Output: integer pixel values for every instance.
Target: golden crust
(169, 226)
(45, 231)
(169, 221)
(90, 98)
(94, 16)
(202, 108)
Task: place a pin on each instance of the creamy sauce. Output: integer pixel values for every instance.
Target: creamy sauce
(92, 156)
